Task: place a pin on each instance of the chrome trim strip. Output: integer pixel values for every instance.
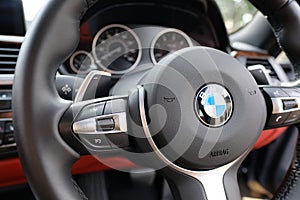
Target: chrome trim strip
(212, 180)
(88, 126)
(12, 39)
(278, 105)
(8, 145)
(295, 83)
(6, 79)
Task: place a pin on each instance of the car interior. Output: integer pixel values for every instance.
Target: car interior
(150, 99)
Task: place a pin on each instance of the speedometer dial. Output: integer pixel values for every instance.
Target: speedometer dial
(82, 62)
(117, 49)
(168, 41)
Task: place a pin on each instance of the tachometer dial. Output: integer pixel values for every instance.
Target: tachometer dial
(82, 62)
(117, 49)
(168, 41)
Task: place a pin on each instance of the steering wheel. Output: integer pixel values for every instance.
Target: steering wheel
(194, 116)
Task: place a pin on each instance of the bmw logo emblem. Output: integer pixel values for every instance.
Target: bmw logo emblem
(213, 105)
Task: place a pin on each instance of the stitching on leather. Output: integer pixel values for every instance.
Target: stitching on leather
(292, 179)
(84, 10)
(79, 190)
(87, 2)
(91, 2)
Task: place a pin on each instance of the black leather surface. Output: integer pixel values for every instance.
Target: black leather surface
(268, 7)
(274, 158)
(284, 17)
(184, 187)
(290, 189)
(37, 108)
(286, 26)
(91, 2)
(203, 2)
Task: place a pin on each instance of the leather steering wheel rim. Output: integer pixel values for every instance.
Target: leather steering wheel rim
(45, 156)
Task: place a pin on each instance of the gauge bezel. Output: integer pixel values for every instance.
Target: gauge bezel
(168, 30)
(76, 53)
(135, 36)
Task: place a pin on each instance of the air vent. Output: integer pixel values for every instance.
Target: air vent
(8, 57)
(265, 62)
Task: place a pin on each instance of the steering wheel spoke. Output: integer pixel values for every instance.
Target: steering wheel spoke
(95, 126)
(283, 104)
(220, 183)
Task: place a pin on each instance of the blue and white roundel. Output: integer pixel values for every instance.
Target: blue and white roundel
(213, 105)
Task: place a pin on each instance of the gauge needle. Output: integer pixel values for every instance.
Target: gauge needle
(78, 62)
(109, 54)
(83, 63)
(93, 66)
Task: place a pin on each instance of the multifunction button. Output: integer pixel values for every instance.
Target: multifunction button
(285, 106)
(102, 126)
(90, 111)
(105, 124)
(276, 92)
(289, 104)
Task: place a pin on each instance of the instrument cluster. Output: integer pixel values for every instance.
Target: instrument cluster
(119, 49)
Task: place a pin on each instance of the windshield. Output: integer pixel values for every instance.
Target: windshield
(236, 13)
(31, 8)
